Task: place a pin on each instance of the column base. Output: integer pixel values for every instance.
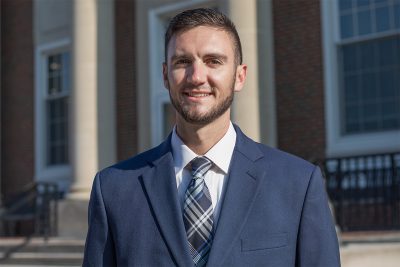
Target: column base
(73, 214)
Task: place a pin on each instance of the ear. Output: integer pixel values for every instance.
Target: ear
(241, 72)
(165, 75)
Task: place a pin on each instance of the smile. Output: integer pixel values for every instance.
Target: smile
(192, 94)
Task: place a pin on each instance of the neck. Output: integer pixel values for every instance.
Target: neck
(201, 138)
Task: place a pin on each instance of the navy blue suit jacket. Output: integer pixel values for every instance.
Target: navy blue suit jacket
(274, 213)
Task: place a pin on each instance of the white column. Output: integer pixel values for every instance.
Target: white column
(266, 68)
(106, 84)
(1, 126)
(93, 97)
(84, 95)
(246, 112)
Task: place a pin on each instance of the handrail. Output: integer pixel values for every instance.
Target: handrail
(37, 201)
(365, 191)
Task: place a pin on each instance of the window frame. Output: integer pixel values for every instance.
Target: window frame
(338, 144)
(61, 173)
(49, 97)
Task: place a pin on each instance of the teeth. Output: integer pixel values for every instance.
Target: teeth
(197, 95)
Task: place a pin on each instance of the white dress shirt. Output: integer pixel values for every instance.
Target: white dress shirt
(220, 154)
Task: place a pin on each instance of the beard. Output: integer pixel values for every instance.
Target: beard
(194, 117)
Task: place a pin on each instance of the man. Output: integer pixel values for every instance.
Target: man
(209, 194)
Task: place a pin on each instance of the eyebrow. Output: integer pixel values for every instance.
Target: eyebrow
(175, 57)
(217, 55)
(220, 56)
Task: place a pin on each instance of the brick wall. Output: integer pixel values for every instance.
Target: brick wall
(17, 95)
(125, 78)
(299, 77)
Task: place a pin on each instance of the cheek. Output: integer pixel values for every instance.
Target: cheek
(177, 76)
(221, 79)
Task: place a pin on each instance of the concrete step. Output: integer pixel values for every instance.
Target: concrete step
(370, 249)
(370, 255)
(40, 252)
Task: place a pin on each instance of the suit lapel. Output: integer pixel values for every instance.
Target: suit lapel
(241, 190)
(160, 184)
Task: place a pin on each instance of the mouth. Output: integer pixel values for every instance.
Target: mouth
(196, 94)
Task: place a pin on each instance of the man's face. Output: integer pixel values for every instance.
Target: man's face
(201, 75)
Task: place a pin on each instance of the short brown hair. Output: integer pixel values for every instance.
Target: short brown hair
(192, 18)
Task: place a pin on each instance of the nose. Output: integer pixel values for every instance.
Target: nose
(196, 73)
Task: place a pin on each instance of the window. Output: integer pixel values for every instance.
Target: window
(361, 52)
(57, 95)
(369, 65)
(52, 104)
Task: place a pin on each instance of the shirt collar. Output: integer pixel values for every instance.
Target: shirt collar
(220, 154)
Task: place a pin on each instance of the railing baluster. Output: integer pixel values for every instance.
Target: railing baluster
(394, 192)
(340, 193)
(365, 191)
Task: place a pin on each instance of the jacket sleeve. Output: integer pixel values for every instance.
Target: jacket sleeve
(317, 243)
(99, 247)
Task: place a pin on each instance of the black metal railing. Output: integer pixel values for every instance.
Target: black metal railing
(365, 191)
(37, 202)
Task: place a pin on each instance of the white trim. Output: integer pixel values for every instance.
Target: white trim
(60, 174)
(371, 36)
(1, 121)
(158, 94)
(266, 73)
(336, 143)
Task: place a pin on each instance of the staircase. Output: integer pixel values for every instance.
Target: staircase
(370, 249)
(55, 251)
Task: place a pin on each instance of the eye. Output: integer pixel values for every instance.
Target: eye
(182, 62)
(214, 61)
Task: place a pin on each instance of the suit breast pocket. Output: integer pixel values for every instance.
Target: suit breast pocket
(264, 241)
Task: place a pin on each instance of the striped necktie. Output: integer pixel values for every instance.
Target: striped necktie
(198, 212)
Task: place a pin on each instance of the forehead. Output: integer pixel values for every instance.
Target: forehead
(201, 38)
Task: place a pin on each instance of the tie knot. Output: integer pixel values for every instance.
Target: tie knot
(200, 165)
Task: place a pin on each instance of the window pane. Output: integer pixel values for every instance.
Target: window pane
(388, 86)
(350, 58)
(57, 127)
(397, 15)
(57, 131)
(389, 108)
(388, 52)
(370, 111)
(57, 137)
(364, 22)
(368, 82)
(382, 1)
(382, 19)
(65, 72)
(58, 73)
(370, 117)
(367, 55)
(352, 119)
(371, 85)
(368, 17)
(370, 125)
(54, 65)
(346, 26)
(344, 4)
(351, 92)
(390, 121)
(361, 3)
(58, 77)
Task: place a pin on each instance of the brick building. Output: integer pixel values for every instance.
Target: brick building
(81, 84)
